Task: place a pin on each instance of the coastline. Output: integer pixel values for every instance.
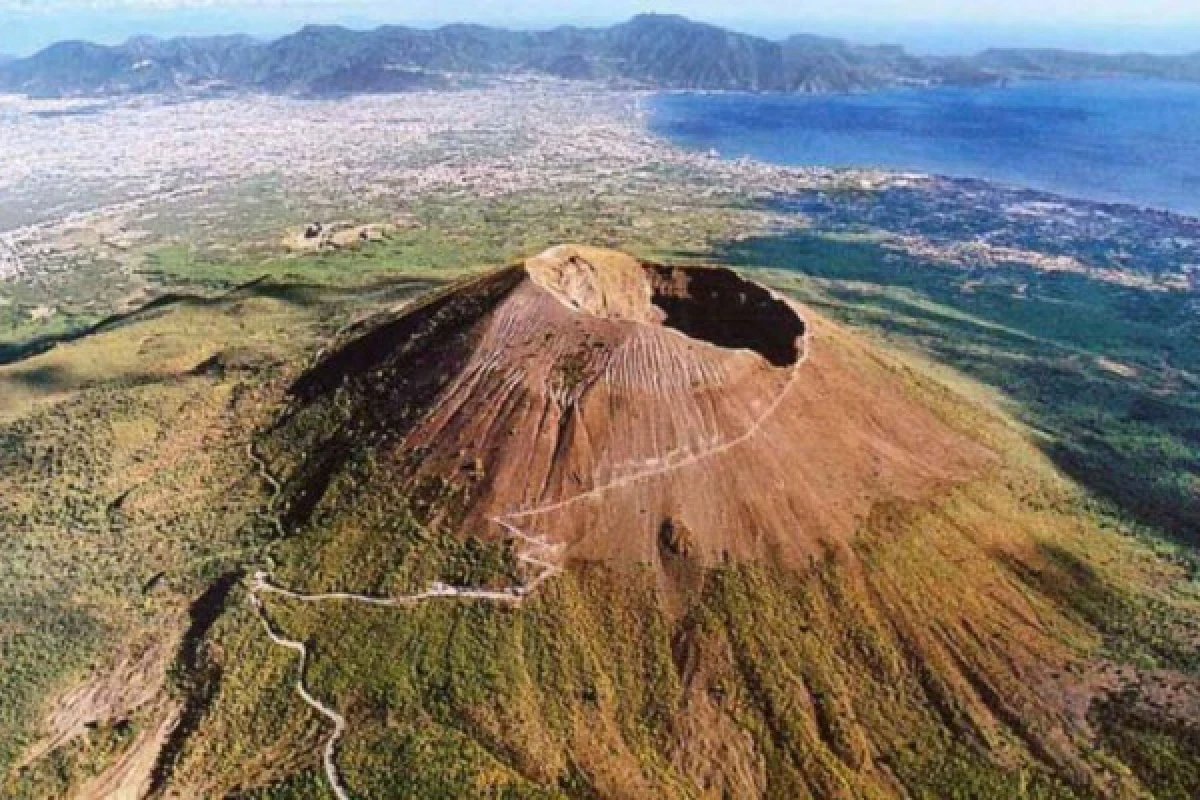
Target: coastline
(919, 131)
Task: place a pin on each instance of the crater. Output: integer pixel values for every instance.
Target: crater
(720, 307)
(709, 304)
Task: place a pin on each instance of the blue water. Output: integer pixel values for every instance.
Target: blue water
(1132, 142)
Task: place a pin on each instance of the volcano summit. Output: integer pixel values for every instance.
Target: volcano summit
(631, 411)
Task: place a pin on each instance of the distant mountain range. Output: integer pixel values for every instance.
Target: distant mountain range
(1067, 63)
(655, 51)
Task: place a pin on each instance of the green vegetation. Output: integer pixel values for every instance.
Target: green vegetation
(1138, 628)
(1162, 750)
(63, 770)
(126, 491)
(308, 785)
(450, 238)
(40, 642)
(590, 683)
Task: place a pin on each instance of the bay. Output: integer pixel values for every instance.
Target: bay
(1123, 141)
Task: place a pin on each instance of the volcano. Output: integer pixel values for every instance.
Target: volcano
(589, 526)
(629, 411)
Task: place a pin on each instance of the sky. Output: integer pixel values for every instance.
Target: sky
(929, 26)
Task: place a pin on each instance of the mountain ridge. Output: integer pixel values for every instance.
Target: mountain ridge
(648, 51)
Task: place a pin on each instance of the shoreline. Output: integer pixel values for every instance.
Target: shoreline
(756, 143)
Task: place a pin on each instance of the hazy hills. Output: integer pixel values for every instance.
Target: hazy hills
(650, 50)
(1067, 63)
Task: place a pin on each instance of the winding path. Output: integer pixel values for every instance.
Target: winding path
(538, 552)
(339, 722)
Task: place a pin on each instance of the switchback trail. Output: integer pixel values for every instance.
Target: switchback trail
(537, 552)
(339, 722)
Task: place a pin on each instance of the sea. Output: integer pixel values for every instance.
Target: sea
(1122, 141)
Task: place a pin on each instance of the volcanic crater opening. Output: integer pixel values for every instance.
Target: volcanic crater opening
(718, 306)
(709, 304)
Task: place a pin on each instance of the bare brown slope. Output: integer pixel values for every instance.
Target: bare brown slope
(620, 408)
